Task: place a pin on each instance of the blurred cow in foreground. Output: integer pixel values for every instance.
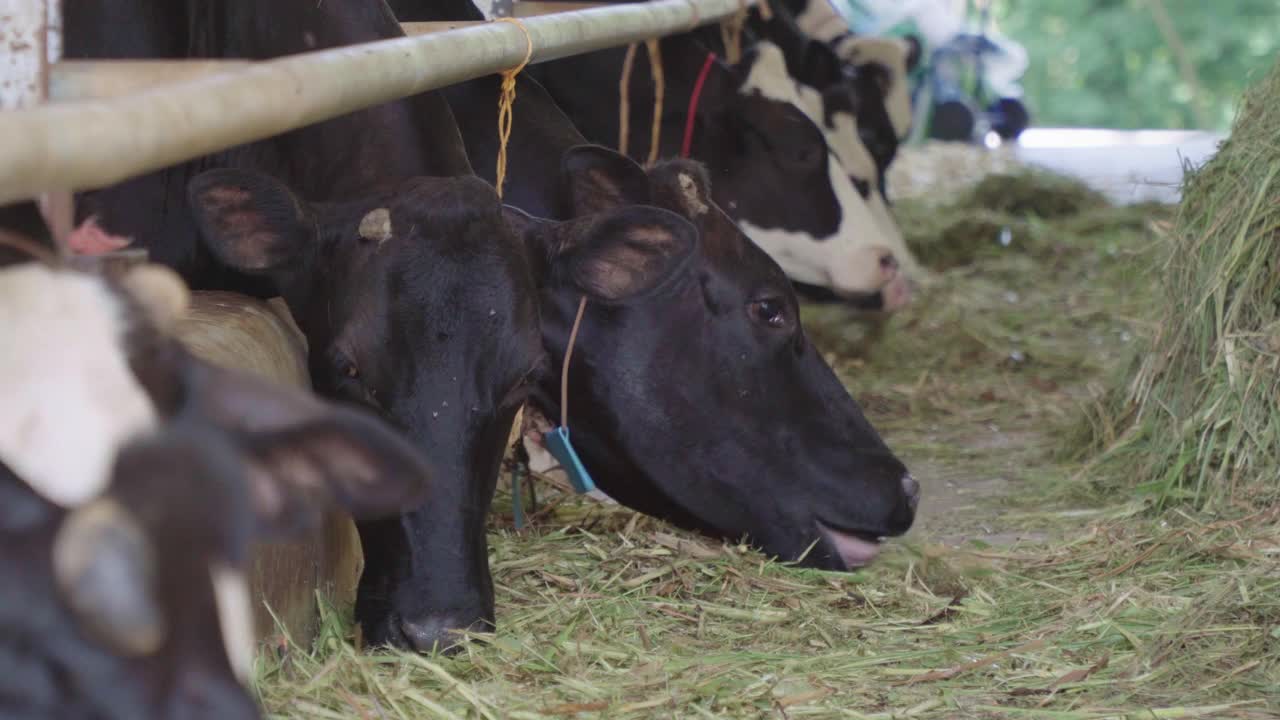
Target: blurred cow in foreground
(134, 479)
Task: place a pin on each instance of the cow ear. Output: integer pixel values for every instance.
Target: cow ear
(622, 255)
(251, 221)
(304, 456)
(104, 567)
(522, 223)
(597, 179)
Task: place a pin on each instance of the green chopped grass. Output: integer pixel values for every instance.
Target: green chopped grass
(1036, 584)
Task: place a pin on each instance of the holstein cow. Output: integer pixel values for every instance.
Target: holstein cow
(772, 169)
(852, 104)
(124, 592)
(787, 66)
(412, 291)
(690, 348)
(886, 61)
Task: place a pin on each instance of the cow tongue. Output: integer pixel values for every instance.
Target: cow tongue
(853, 550)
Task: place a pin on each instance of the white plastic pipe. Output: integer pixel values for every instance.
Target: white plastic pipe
(94, 144)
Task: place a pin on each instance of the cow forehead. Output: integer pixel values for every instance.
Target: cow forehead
(70, 397)
(768, 75)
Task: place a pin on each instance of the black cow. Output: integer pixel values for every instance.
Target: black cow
(698, 399)
(412, 290)
(122, 588)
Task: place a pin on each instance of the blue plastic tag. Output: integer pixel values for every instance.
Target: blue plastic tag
(561, 449)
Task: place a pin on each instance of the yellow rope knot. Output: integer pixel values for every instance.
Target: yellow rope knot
(507, 101)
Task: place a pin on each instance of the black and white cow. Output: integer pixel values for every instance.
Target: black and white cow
(886, 61)
(773, 170)
(123, 590)
(847, 104)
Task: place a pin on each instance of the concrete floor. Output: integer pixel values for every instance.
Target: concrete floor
(1127, 165)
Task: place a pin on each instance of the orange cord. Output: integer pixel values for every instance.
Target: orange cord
(507, 101)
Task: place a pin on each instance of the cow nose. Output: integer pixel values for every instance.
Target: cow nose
(912, 489)
(888, 262)
(439, 632)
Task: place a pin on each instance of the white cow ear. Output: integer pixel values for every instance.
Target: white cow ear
(104, 566)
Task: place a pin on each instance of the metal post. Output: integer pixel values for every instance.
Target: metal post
(31, 33)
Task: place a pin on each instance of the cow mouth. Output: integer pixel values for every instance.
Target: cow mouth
(856, 548)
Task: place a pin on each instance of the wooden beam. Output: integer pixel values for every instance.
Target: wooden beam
(94, 144)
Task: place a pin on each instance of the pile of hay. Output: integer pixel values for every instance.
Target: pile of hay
(1028, 211)
(1198, 420)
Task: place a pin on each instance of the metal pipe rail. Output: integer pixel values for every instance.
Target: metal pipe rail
(96, 143)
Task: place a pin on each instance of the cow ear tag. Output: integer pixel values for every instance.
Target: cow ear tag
(561, 448)
(557, 440)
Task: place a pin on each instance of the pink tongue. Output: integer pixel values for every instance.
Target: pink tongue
(855, 552)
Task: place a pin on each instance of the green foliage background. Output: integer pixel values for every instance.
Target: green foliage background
(1106, 63)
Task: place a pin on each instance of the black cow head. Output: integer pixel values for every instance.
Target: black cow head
(416, 302)
(696, 397)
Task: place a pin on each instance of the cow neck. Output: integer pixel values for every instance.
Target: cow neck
(564, 368)
(691, 115)
(557, 439)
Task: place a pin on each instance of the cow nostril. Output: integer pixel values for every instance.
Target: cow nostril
(911, 488)
(888, 262)
(435, 633)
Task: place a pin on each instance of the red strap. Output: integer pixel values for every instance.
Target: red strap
(687, 145)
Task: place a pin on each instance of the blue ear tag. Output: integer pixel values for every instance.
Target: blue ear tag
(561, 449)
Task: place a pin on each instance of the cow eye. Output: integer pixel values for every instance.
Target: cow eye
(804, 157)
(771, 312)
(349, 381)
